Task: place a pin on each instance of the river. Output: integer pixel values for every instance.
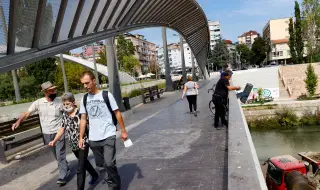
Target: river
(280, 142)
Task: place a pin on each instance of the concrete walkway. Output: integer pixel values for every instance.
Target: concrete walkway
(171, 150)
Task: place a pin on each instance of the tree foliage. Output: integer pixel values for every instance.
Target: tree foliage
(73, 73)
(244, 52)
(102, 57)
(42, 71)
(311, 81)
(124, 48)
(220, 54)
(292, 42)
(130, 63)
(259, 50)
(298, 33)
(311, 23)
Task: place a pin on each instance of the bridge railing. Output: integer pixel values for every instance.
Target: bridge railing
(244, 171)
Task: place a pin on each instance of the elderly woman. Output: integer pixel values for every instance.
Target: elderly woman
(191, 90)
(70, 123)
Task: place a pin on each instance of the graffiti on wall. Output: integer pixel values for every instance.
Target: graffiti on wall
(266, 92)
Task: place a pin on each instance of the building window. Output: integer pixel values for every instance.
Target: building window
(289, 54)
(281, 53)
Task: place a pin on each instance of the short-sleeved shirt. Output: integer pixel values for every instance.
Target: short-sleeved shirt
(72, 127)
(100, 119)
(190, 88)
(50, 114)
(221, 88)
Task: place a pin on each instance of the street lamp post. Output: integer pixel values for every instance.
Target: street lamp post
(183, 63)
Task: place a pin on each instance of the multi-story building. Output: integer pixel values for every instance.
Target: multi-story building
(248, 38)
(276, 34)
(174, 54)
(215, 33)
(146, 52)
(87, 50)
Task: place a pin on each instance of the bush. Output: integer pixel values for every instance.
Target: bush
(162, 85)
(134, 93)
(309, 118)
(264, 123)
(311, 80)
(287, 118)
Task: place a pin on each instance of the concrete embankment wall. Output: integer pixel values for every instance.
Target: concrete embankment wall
(299, 108)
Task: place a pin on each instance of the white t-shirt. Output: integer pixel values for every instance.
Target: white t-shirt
(190, 88)
(100, 119)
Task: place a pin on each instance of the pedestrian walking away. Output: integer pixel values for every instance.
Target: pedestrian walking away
(103, 114)
(71, 124)
(50, 111)
(191, 91)
(221, 97)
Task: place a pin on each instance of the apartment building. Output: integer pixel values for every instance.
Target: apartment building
(276, 34)
(248, 38)
(145, 50)
(87, 50)
(215, 33)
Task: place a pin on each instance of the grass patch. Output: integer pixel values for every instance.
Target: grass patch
(260, 107)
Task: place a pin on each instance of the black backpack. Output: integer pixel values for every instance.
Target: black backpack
(106, 100)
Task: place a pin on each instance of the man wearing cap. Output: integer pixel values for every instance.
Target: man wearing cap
(50, 112)
(220, 98)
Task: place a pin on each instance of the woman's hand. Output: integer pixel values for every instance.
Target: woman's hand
(52, 143)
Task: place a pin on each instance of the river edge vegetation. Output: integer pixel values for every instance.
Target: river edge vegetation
(285, 119)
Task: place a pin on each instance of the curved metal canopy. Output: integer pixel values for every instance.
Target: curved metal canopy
(34, 29)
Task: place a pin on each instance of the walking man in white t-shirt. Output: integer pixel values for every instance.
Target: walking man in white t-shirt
(97, 106)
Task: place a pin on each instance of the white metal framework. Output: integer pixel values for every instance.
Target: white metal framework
(34, 29)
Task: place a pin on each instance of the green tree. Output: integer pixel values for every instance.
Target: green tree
(102, 57)
(292, 42)
(124, 48)
(73, 73)
(311, 23)
(220, 54)
(311, 80)
(298, 33)
(42, 71)
(6, 87)
(130, 64)
(259, 50)
(244, 52)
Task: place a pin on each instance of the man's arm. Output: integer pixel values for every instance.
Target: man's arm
(231, 88)
(124, 134)
(83, 124)
(20, 120)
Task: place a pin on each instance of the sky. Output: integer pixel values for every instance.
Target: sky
(235, 16)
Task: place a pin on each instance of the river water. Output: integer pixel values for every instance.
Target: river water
(280, 142)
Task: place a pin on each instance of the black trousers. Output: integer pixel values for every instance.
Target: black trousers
(104, 152)
(83, 165)
(192, 100)
(220, 108)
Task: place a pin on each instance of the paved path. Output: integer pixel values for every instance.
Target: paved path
(171, 150)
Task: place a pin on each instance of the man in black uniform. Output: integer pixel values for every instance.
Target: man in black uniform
(221, 95)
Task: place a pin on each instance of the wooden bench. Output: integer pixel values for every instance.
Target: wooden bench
(150, 93)
(10, 141)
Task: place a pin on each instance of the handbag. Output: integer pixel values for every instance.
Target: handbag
(197, 91)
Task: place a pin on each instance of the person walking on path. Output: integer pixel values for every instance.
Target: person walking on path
(191, 90)
(50, 111)
(221, 97)
(102, 112)
(70, 123)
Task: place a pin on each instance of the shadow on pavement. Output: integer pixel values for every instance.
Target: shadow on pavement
(128, 173)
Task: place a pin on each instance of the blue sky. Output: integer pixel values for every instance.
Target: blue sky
(235, 16)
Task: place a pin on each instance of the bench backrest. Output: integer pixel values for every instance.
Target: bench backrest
(5, 127)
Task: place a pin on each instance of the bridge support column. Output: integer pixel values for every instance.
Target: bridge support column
(193, 67)
(204, 72)
(183, 63)
(113, 73)
(65, 81)
(169, 85)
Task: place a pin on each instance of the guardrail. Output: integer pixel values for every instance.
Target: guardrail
(27, 135)
(244, 171)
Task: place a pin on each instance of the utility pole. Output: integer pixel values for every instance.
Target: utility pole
(169, 84)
